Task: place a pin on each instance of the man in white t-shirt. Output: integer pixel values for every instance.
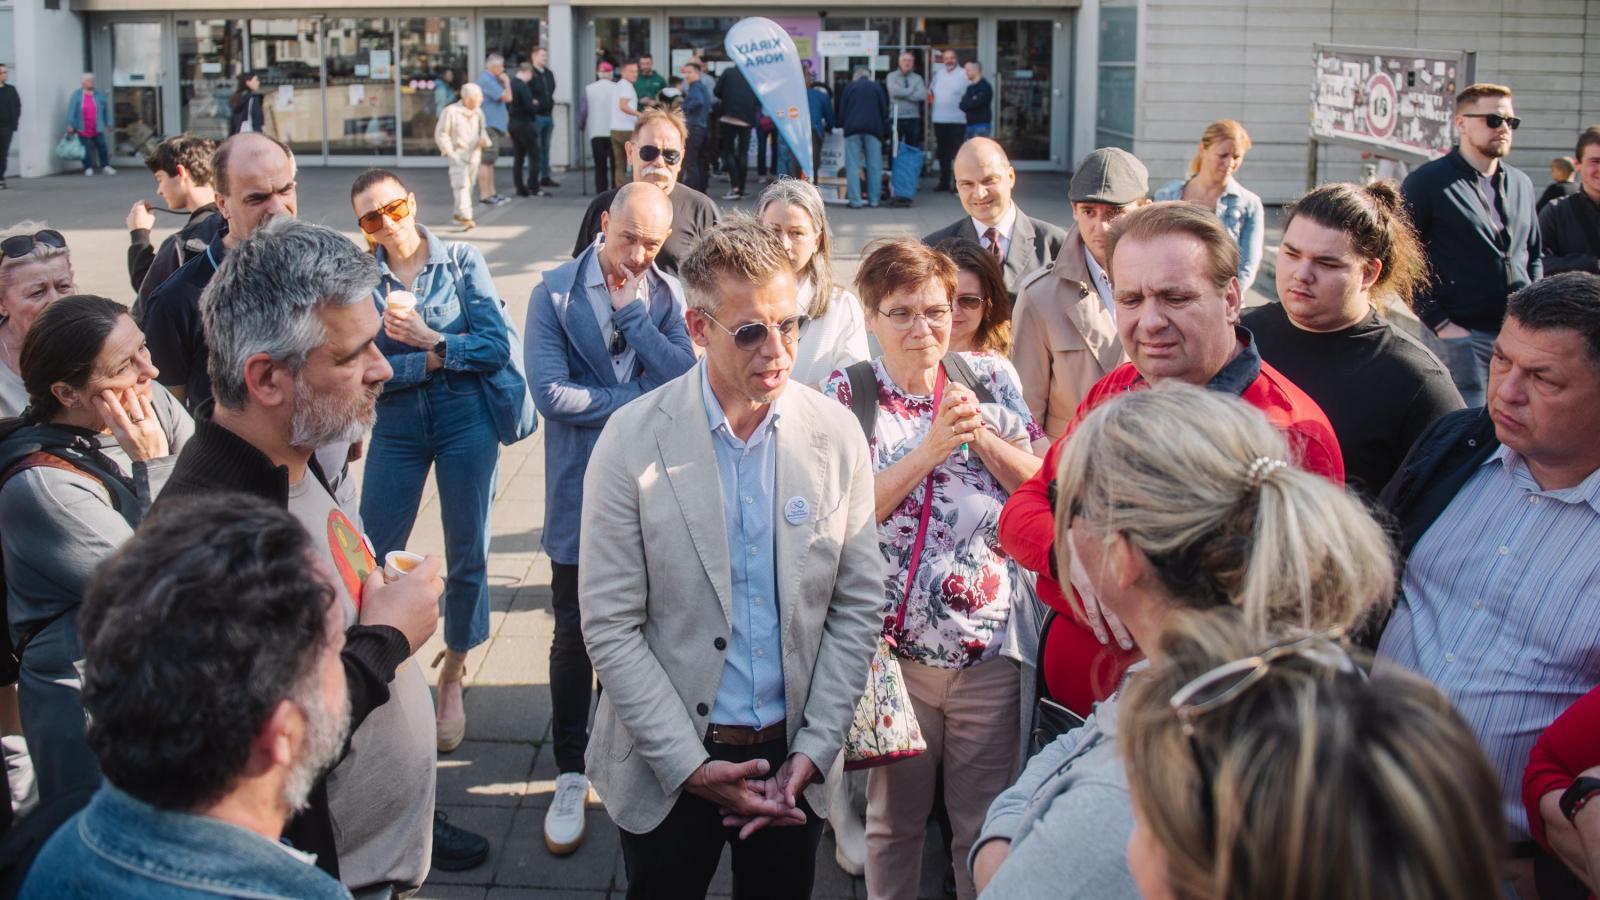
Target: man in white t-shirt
(949, 82)
(594, 117)
(624, 110)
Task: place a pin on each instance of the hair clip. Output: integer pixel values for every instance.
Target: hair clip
(1262, 469)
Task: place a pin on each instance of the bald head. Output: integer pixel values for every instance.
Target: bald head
(636, 225)
(254, 175)
(985, 180)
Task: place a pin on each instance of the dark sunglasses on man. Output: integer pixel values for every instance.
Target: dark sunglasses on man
(649, 152)
(21, 245)
(1495, 120)
(752, 335)
(372, 222)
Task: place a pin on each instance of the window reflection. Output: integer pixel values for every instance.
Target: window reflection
(434, 55)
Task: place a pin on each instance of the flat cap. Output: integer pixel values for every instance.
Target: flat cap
(1109, 175)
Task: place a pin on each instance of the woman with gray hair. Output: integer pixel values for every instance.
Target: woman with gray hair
(836, 334)
(35, 271)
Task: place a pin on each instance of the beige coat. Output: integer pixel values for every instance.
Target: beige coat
(655, 588)
(1063, 339)
(461, 133)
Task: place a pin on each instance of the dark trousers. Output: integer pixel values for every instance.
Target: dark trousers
(95, 147)
(677, 860)
(736, 154)
(525, 147)
(910, 130)
(949, 135)
(816, 152)
(600, 147)
(5, 148)
(571, 675)
(766, 151)
(546, 126)
(696, 169)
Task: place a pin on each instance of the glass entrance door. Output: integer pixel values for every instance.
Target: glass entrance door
(136, 79)
(513, 37)
(618, 40)
(287, 54)
(1024, 56)
(434, 57)
(361, 87)
(210, 58)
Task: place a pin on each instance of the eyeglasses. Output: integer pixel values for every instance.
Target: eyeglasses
(649, 152)
(1227, 682)
(972, 301)
(902, 319)
(753, 335)
(21, 245)
(1495, 120)
(372, 222)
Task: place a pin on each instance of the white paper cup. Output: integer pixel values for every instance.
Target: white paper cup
(399, 563)
(402, 303)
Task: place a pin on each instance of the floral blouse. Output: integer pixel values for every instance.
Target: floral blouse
(958, 609)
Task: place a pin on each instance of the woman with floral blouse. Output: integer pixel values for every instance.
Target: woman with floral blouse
(932, 431)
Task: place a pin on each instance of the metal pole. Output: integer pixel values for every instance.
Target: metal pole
(1311, 164)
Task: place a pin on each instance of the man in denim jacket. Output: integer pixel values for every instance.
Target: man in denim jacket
(216, 698)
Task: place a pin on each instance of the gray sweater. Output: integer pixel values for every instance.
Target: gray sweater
(1068, 818)
(908, 92)
(68, 527)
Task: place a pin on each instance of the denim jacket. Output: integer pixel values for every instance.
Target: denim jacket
(1244, 216)
(120, 846)
(450, 293)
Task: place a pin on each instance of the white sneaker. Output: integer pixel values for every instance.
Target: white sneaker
(564, 821)
(88, 173)
(107, 170)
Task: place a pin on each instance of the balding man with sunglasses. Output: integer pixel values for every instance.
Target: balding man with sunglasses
(655, 155)
(730, 586)
(602, 330)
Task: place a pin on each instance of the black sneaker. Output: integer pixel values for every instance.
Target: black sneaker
(548, 182)
(456, 849)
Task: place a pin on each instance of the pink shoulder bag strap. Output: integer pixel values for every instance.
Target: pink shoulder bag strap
(922, 523)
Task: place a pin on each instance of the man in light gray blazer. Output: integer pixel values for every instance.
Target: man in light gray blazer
(730, 585)
(986, 181)
(602, 330)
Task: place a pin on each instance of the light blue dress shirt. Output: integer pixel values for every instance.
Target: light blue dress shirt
(751, 690)
(1498, 607)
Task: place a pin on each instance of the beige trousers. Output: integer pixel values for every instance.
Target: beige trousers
(461, 177)
(969, 718)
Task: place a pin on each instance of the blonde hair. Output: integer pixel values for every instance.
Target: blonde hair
(41, 252)
(1310, 783)
(1477, 91)
(1197, 482)
(802, 195)
(656, 114)
(1215, 133)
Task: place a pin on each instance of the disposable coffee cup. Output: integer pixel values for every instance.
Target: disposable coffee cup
(401, 303)
(399, 563)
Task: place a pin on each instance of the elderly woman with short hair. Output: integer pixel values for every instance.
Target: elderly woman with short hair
(35, 271)
(945, 464)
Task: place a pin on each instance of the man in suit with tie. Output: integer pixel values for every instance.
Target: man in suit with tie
(602, 330)
(731, 590)
(985, 181)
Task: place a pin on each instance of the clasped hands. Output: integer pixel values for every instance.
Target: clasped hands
(749, 802)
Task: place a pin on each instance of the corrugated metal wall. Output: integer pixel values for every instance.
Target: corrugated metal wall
(1200, 61)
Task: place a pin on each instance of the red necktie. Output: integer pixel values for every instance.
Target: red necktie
(993, 237)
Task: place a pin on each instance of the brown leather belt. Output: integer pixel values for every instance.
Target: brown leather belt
(744, 735)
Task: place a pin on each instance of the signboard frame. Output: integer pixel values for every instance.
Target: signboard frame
(1379, 83)
(836, 43)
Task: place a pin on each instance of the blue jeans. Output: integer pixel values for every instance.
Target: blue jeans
(857, 146)
(445, 421)
(786, 164)
(545, 125)
(985, 129)
(91, 147)
(1468, 361)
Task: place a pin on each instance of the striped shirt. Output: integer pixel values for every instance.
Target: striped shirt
(1500, 608)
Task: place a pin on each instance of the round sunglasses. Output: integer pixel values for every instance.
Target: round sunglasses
(372, 222)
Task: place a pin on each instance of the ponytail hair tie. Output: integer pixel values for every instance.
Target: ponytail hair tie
(1262, 469)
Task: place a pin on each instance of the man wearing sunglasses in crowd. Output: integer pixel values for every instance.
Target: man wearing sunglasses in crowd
(1475, 215)
(655, 155)
(602, 330)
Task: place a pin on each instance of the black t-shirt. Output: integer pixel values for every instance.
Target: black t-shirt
(692, 213)
(172, 328)
(1379, 386)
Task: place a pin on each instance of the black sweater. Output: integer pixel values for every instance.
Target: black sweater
(1570, 228)
(1475, 266)
(1379, 387)
(218, 461)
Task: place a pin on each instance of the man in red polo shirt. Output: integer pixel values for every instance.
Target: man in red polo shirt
(1173, 278)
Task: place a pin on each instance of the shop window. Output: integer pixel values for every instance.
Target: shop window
(434, 55)
(210, 60)
(1119, 56)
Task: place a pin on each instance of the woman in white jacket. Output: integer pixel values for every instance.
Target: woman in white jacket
(836, 335)
(462, 137)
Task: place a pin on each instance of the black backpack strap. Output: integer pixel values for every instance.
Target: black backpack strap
(960, 371)
(864, 396)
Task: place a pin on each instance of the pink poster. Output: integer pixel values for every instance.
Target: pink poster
(803, 29)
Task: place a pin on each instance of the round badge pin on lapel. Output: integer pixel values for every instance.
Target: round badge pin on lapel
(796, 510)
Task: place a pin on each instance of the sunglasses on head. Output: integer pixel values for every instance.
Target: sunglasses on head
(372, 222)
(752, 335)
(649, 152)
(1495, 120)
(21, 245)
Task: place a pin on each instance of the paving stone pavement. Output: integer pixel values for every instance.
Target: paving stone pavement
(499, 782)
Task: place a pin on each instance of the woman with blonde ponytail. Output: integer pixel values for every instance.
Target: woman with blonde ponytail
(1172, 499)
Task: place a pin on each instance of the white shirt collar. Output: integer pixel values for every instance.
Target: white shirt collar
(1102, 282)
(1006, 226)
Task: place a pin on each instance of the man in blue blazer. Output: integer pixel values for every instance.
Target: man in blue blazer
(604, 329)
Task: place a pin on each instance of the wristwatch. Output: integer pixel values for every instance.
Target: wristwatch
(1578, 795)
(438, 349)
